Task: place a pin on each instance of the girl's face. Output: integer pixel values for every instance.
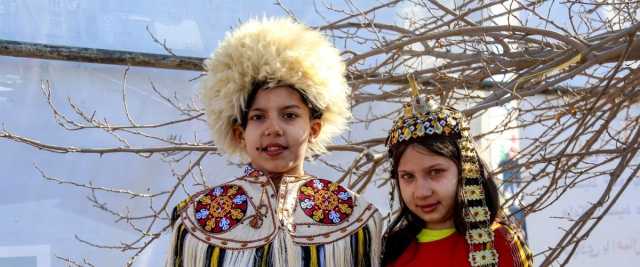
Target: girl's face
(278, 131)
(428, 185)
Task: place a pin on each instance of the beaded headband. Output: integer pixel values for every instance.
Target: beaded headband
(423, 117)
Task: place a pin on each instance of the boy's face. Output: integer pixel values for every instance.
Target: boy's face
(278, 131)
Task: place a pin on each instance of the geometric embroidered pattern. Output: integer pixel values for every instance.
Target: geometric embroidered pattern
(325, 202)
(221, 209)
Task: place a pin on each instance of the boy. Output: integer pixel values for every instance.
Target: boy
(274, 93)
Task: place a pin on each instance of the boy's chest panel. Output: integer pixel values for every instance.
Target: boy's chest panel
(235, 215)
(247, 212)
(318, 211)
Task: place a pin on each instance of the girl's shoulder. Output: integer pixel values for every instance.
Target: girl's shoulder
(511, 246)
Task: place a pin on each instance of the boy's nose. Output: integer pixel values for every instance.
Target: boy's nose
(273, 129)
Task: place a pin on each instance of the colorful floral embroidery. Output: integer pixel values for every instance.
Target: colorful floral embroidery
(473, 192)
(306, 204)
(483, 258)
(325, 202)
(221, 208)
(470, 170)
(479, 236)
(249, 171)
(440, 121)
(477, 214)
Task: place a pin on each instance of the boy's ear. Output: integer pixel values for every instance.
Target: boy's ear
(315, 128)
(238, 135)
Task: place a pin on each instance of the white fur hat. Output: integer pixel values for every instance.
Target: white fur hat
(271, 50)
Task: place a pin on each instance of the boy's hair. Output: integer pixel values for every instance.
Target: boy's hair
(404, 228)
(274, 52)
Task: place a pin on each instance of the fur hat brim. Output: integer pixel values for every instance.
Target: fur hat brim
(281, 50)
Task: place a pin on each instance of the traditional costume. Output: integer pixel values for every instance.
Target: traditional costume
(306, 221)
(447, 247)
(484, 243)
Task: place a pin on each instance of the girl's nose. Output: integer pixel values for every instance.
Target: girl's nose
(423, 188)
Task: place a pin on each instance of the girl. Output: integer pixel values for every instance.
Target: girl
(450, 213)
(275, 93)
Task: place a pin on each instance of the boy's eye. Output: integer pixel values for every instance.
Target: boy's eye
(406, 176)
(256, 117)
(290, 115)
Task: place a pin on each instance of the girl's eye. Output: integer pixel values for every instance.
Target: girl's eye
(256, 117)
(290, 115)
(435, 172)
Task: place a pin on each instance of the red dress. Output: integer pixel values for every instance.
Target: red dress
(452, 250)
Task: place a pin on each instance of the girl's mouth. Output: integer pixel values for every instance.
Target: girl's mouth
(428, 208)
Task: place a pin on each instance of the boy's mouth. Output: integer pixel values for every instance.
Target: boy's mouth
(273, 149)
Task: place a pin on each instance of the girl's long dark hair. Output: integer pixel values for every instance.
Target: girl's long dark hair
(403, 229)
